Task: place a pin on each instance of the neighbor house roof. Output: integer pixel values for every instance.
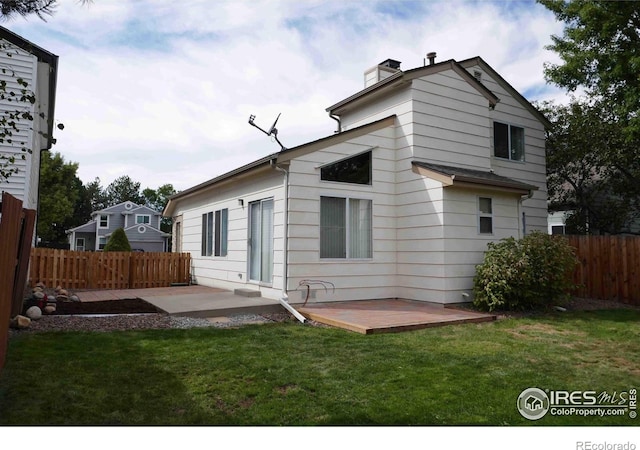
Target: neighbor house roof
(44, 56)
(457, 176)
(277, 158)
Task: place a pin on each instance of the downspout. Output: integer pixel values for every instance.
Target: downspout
(521, 228)
(284, 299)
(337, 119)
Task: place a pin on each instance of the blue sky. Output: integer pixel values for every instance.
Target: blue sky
(162, 90)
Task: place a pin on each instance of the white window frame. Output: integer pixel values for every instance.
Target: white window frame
(100, 244)
(206, 235)
(148, 216)
(221, 232)
(100, 216)
(482, 214)
(509, 127)
(347, 242)
(79, 247)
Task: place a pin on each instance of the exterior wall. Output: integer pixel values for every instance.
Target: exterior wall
(24, 184)
(464, 245)
(145, 238)
(231, 271)
(533, 169)
(354, 279)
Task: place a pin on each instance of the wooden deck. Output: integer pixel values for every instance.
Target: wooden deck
(388, 315)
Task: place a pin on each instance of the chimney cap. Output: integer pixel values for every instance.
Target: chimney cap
(392, 63)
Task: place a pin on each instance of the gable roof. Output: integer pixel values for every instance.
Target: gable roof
(478, 61)
(278, 158)
(456, 176)
(401, 78)
(44, 56)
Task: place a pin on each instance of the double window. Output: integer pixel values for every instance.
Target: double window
(508, 141)
(214, 233)
(143, 218)
(345, 228)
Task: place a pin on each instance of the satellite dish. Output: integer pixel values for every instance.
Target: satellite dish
(273, 131)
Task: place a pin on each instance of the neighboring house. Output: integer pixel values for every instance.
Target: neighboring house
(141, 225)
(427, 167)
(557, 222)
(21, 59)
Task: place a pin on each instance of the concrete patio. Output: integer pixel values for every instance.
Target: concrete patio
(362, 316)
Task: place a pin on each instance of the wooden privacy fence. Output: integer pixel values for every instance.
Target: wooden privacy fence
(108, 270)
(16, 234)
(609, 267)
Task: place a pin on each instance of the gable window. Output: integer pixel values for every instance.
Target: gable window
(356, 169)
(485, 215)
(143, 218)
(345, 228)
(103, 221)
(214, 233)
(508, 141)
(102, 241)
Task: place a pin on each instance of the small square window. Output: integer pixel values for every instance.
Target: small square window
(104, 221)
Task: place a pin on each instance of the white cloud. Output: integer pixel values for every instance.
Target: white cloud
(162, 90)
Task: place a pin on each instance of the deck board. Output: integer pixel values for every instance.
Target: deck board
(388, 315)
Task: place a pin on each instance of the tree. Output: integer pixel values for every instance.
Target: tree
(95, 195)
(581, 177)
(41, 8)
(157, 199)
(60, 192)
(123, 189)
(118, 242)
(600, 50)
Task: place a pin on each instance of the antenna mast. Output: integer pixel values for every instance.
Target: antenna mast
(273, 131)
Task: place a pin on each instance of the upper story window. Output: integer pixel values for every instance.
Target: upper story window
(104, 221)
(356, 169)
(143, 218)
(508, 141)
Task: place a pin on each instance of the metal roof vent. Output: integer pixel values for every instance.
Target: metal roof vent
(431, 56)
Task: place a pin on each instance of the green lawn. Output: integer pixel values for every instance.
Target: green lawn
(290, 374)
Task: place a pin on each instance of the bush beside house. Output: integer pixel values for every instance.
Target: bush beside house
(118, 242)
(528, 273)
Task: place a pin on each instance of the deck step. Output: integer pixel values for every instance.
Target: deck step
(246, 293)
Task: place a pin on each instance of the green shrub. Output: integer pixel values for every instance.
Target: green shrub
(529, 273)
(118, 242)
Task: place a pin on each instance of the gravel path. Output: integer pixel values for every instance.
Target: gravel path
(141, 322)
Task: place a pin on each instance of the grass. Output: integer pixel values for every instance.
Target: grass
(289, 374)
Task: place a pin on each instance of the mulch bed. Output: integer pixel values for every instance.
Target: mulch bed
(130, 306)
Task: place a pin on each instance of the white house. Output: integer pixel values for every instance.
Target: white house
(427, 167)
(25, 61)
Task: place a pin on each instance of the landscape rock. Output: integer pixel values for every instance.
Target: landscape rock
(41, 285)
(58, 289)
(37, 289)
(49, 309)
(63, 292)
(39, 295)
(74, 298)
(62, 298)
(20, 322)
(34, 313)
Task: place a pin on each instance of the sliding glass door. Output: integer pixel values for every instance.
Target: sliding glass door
(261, 241)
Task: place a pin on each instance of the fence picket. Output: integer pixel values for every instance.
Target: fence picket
(608, 267)
(108, 270)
